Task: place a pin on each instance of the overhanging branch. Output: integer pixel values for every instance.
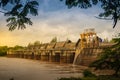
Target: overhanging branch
(2, 12)
(104, 18)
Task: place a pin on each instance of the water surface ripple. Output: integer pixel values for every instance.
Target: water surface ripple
(24, 69)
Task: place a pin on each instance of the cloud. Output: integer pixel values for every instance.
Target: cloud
(62, 23)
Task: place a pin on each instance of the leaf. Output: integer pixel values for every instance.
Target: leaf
(10, 19)
(4, 2)
(17, 17)
(14, 11)
(30, 7)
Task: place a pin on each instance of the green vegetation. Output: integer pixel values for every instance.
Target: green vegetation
(17, 47)
(3, 50)
(88, 73)
(110, 58)
(111, 8)
(53, 40)
(17, 12)
(37, 43)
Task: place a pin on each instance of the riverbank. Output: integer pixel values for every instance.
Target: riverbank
(24, 69)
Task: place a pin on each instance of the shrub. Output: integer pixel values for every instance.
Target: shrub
(88, 73)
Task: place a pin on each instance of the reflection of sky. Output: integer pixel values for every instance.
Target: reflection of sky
(55, 19)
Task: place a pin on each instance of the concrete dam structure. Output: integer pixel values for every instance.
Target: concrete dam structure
(82, 52)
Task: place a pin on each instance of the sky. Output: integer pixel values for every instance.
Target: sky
(56, 20)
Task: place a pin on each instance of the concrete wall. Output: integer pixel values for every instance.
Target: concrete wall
(62, 53)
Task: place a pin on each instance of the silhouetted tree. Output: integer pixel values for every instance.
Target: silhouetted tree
(3, 50)
(37, 43)
(111, 8)
(53, 40)
(17, 47)
(17, 12)
(110, 58)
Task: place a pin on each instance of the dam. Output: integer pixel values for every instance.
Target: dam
(83, 52)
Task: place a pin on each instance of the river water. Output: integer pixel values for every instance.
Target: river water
(24, 69)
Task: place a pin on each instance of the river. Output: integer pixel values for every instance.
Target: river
(25, 69)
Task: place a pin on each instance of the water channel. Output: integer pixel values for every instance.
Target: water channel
(25, 69)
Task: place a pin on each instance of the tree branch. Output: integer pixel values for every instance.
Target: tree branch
(2, 12)
(104, 18)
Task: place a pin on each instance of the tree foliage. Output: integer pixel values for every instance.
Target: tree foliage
(110, 58)
(53, 40)
(37, 43)
(111, 8)
(17, 47)
(18, 12)
(3, 50)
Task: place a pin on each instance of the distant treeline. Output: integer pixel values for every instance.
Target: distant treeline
(4, 49)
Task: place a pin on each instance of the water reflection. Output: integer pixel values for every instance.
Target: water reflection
(23, 69)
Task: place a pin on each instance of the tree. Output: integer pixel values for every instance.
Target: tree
(3, 50)
(53, 40)
(17, 47)
(110, 58)
(37, 43)
(111, 8)
(17, 12)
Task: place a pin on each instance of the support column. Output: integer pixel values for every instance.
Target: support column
(50, 56)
